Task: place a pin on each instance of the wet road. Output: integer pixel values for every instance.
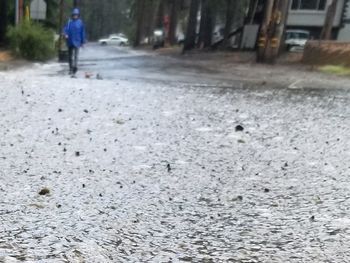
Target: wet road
(149, 166)
(123, 63)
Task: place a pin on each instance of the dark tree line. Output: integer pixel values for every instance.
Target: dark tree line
(3, 19)
(101, 17)
(105, 17)
(200, 17)
(197, 19)
(139, 18)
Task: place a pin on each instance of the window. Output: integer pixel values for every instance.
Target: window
(309, 5)
(304, 36)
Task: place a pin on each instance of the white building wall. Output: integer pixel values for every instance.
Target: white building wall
(313, 17)
(344, 33)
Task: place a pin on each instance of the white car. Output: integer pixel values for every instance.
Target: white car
(296, 39)
(118, 35)
(114, 40)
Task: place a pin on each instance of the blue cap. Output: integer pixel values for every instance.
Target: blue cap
(76, 11)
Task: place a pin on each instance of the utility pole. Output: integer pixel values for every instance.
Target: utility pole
(272, 30)
(16, 12)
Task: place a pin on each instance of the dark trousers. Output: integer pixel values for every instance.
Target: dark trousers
(73, 53)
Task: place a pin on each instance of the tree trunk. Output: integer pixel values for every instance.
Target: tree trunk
(20, 10)
(264, 30)
(230, 6)
(175, 6)
(272, 31)
(277, 41)
(158, 13)
(3, 19)
(60, 25)
(252, 11)
(191, 33)
(206, 26)
(140, 13)
(326, 33)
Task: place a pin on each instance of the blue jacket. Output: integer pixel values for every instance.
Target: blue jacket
(75, 31)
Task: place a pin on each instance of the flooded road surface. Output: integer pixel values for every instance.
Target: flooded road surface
(141, 169)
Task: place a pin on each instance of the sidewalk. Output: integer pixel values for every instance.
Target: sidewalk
(288, 72)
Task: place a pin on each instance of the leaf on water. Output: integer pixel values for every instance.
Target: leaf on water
(239, 128)
(44, 191)
(119, 121)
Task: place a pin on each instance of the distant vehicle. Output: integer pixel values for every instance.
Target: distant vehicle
(118, 35)
(158, 40)
(296, 39)
(114, 40)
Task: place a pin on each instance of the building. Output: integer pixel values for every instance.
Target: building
(311, 14)
(344, 32)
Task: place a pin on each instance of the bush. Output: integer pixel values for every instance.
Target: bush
(31, 41)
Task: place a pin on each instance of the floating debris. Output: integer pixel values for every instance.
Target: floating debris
(44, 191)
(239, 128)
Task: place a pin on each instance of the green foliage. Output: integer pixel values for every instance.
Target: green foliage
(336, 69)
(31, 41)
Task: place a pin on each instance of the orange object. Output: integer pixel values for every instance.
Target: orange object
(27, 14)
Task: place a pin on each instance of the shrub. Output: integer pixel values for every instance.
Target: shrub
(31, 41)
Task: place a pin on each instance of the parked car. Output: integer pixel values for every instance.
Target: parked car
(158, 40)
(118, 35)
(296, 39)
(114, 40)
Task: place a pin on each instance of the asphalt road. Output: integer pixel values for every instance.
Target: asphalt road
(162, 162)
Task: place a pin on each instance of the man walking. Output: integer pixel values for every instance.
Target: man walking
(75, 36)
